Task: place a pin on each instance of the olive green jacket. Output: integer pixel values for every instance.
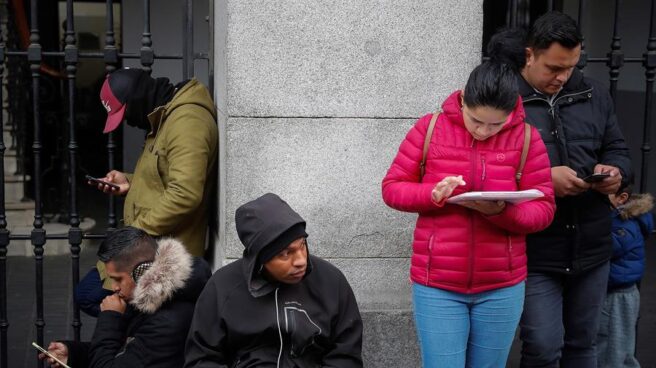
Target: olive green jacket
(176, 172)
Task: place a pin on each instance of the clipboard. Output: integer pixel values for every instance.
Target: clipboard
(513, 197)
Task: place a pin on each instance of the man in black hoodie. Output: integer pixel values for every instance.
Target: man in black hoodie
(277, 306)
(144, 323)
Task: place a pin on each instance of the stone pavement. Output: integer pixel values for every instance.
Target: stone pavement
(58, 315)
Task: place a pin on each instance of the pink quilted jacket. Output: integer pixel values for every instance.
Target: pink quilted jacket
(456, 248)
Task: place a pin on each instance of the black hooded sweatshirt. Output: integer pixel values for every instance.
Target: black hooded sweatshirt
(243, 320)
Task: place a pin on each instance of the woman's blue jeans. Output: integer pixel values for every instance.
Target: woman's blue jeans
(466, 330)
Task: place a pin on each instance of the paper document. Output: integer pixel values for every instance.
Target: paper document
(510, 197)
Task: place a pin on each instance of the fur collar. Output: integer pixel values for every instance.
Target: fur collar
(637, 205)
(170, 271)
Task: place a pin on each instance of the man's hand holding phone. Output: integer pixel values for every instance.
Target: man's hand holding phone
(56, 355)
(566, 183)
(611, 183)
(115, 182)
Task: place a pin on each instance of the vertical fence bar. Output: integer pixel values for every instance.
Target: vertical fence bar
(526, 14)
(513, 13)
(649, 62)
(38, 233)
(147, 56)
(187, 40)
(4, 233)
(615, 56)
(111, 61)
(74, 233)
(583, 60)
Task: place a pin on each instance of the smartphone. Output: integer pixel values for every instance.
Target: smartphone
(100, 181)
(44, 351)
(595, 178)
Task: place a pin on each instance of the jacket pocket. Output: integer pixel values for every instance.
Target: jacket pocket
(149, 171)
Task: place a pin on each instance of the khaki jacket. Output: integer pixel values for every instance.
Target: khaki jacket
(176, 172)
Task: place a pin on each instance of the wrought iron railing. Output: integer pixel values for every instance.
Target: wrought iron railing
(14, 60)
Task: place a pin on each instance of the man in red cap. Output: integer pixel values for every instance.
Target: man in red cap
(168, 193)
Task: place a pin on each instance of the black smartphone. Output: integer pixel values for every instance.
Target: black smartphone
(100, 181)
(595, 178)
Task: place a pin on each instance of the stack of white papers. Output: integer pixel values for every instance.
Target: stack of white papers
(510, 197)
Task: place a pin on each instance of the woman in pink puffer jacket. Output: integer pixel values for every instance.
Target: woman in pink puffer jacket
(469, 259)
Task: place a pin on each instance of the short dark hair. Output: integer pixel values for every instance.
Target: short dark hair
(127, 247)
(554, 27)
(625, 188)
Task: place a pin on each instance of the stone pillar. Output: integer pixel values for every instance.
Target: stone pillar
(314, 98)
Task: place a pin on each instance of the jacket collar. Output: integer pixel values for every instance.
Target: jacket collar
(575, 84)
(169, 273)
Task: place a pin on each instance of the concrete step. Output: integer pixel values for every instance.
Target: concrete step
(20, 213)
(11, 162)
(14, 187)
(52, 247)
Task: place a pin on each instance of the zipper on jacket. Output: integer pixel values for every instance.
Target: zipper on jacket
(279, 329)
(430, 258)
(509, 252)
(470, 271)
(484, 171)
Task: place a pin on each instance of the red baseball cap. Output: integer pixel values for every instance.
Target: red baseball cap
(115, 108)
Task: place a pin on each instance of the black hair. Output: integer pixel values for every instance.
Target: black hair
(625, 188)
(554, 27)
(494, 83)
(127, 247)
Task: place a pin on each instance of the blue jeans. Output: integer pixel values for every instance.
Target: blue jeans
(472, 330)
(561, 318)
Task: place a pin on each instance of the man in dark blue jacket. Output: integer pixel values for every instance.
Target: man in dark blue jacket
(568, 261)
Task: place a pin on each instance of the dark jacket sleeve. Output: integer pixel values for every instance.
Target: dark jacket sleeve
(614, 151)
(346, 331)
(155, 339)
(78, 353)
(205, 347)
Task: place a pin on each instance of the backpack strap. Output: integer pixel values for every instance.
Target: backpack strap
(522, 160)
(429, 135)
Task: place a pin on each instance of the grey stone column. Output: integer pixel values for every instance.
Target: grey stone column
(314, 99)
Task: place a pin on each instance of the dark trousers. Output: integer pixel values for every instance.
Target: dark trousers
(90, 293)
(561, 318)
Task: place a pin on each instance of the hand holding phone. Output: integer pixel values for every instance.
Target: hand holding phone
(49, 355)
(595, 178)
(97, 181)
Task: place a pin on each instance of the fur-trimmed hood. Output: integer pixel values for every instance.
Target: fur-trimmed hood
(173, 274)
(636, 206)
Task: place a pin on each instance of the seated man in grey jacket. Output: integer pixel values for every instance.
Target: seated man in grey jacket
(277, 306)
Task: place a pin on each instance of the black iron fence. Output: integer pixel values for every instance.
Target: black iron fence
(27, 62)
